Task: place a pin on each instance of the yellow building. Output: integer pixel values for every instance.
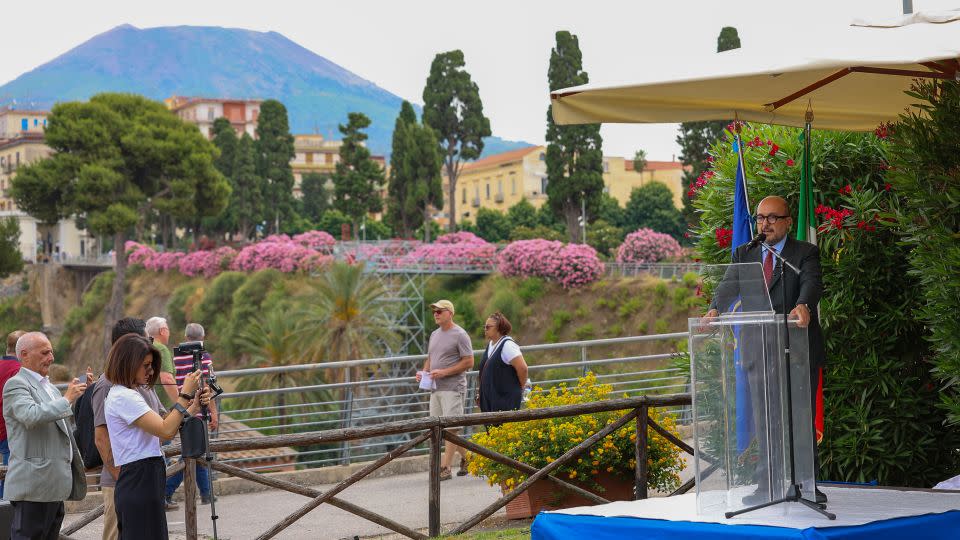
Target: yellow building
(619, 178)
(314, 154)
(500, 181)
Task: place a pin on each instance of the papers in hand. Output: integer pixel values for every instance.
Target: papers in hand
(426, 382)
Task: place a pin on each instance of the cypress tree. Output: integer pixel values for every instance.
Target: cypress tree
(274, 151)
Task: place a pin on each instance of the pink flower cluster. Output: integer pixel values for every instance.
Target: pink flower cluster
(469, 251)
(206, 263)
(318, 240)
(462, 237)
(304, 252)
(648, 246)
(284, 255)
(570, 265)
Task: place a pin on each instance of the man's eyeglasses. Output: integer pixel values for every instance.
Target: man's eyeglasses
(771, 219)
(438, 311)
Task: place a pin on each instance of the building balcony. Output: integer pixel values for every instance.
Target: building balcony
(476, 202)
(498, 197)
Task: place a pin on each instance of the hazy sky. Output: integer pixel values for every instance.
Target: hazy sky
(506, 43)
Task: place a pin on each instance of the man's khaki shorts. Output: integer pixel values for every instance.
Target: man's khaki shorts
(446, 403)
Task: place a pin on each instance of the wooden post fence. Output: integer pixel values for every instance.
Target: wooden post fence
(433, 431)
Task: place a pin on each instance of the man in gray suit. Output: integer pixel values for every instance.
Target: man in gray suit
(45, 464)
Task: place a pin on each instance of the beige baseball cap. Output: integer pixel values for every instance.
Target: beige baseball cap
(443, 304)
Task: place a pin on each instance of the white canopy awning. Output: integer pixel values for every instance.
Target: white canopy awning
(853, 80)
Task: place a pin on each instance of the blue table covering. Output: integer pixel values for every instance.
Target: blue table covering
(552, 526)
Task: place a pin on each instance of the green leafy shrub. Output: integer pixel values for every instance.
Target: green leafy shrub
(882, 422)
(531, 289)
(247, 305)
(630, 307)
(925, 171)
(680, 296)
(176, 305)
(585, 332)
(691, 279)
(660, 326)
(213, 311)
(505, 301)
(643, 328)
(605, 303)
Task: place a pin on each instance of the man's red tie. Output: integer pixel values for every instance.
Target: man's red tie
(768, 268)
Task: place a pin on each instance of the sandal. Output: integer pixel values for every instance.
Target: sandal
(445, 474)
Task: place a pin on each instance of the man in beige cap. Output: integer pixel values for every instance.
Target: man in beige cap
(449, 356)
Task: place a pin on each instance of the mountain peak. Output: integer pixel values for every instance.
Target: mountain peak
(213, 61)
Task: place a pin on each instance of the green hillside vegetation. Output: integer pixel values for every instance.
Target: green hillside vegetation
(541, 312)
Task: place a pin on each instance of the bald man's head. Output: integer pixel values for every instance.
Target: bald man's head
(773, 218)
(35, 352)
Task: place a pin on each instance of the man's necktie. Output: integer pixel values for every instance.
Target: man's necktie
(768, 268)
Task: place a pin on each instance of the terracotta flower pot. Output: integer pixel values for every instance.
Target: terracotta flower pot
(545, 495)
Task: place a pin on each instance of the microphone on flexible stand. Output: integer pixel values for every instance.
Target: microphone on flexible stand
(757, 240)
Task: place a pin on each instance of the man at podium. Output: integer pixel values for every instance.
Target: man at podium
(802, 292)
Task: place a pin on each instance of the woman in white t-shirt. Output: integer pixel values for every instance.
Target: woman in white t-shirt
(135, 431)
(503, 371)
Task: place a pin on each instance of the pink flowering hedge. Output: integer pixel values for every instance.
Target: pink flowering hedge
(454, 250)
(462, 237)
(304, 252)
(648, 246)
(570, 265)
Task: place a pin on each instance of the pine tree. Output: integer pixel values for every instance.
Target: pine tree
(696, 138)
(574, 153)
(358, 179)
(452, 107)
(415, 183)
(274, 152)
(120, 158)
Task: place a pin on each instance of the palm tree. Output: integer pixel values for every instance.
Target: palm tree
(344, 318)
(274, 339)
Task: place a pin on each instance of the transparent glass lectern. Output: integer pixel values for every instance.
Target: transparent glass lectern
(739, 380)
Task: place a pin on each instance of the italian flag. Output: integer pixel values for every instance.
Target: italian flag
(807, 231)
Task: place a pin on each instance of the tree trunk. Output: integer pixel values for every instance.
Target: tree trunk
(426, 225)
(452, 191)
(114, 309)
(571, 215)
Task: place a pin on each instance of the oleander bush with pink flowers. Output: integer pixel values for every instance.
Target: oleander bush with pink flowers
(570, 265)
(305, 252)
(455, 250)
(648, 246)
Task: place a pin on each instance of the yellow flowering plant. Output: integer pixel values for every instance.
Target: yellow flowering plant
(540, 442)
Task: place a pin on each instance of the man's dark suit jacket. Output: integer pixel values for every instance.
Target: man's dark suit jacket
(804, 289)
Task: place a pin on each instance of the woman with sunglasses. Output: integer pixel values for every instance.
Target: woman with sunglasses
(503, 371)
(135, 431)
